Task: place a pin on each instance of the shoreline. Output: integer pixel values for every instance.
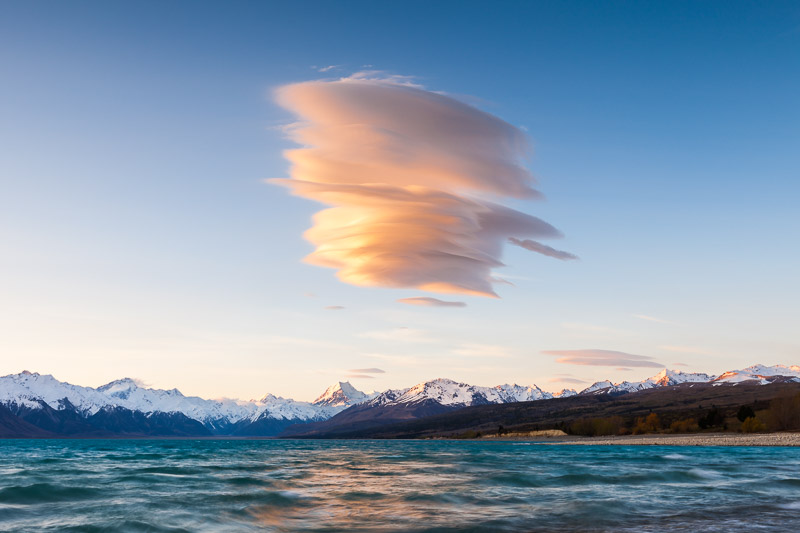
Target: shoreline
(697, 439)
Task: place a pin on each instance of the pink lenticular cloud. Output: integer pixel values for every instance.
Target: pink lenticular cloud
(430, 302)
(594, 357)
(407, 173)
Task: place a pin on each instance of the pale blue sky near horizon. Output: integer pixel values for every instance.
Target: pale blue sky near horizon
(138, 237)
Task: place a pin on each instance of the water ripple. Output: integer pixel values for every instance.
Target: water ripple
(416, 486)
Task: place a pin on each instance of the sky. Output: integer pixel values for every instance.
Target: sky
(177, 180)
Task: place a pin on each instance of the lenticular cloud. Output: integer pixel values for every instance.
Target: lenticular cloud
(414, 181)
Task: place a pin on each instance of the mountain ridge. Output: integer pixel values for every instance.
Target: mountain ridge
(124, 406)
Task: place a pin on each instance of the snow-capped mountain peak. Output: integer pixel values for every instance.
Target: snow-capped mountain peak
(521, 393)
(448, 392)
(565, 393)
(32, 391)
(665, 378)
(597, 386)
(339, 394)
(120, 388)
(445, 392)
(668, 377)
(29, 389)
(761, 373)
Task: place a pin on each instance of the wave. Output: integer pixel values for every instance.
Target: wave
(394, 486)
(46, 493)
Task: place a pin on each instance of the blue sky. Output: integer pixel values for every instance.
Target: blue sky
(138, 237)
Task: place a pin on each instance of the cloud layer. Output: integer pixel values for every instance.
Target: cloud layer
(414, 181)
(372, 370)
(363, 373)
(430, 302)
(603, 358)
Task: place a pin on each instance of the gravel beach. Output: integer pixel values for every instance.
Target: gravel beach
(706, 439)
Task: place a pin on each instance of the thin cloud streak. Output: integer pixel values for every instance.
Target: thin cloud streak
(403, 169)
(539, 248)
(430, 302)
(574, 381)
(328, 68)
(366, 371)
(595, 357)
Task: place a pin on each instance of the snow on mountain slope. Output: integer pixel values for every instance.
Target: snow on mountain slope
(388, 397)
(565, 393)
(126, 393)
(451, 393)
(762, 374)
(448, 392)
(598, 386)
(271, 406)
(342, 394)
(665, 378)
(28, 388)
(519, 393)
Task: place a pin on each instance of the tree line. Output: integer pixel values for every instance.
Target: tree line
(783, 414)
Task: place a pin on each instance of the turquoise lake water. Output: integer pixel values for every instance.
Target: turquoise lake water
(275, 485)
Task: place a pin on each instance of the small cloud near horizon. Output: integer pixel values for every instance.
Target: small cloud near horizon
(574, 381)
(326, 69)
(366, 371)
(359, 376)
(430, 302)
(596, 357)
(334, 307)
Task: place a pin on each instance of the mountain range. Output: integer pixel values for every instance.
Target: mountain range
(37, 405)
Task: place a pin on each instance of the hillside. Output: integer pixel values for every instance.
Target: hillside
(687, 400)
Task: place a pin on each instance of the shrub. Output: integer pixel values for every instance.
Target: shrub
(590, 427)
(784, 413)
(650, 424)
(753, 425)
(745, 412)
(713, 418)
(582, 426)
(686, 425)
(613, 425)
(653, 422)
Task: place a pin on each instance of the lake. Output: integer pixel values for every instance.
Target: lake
(297, 485)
